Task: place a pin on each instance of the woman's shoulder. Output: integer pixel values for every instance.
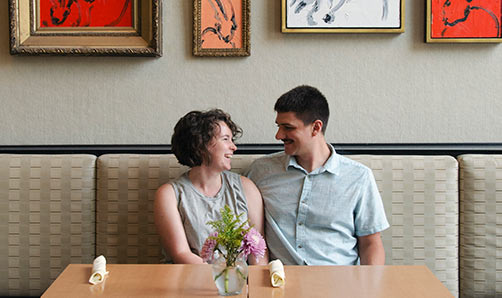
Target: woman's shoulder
(231, 177)
(164, 187)
(239, 183)
(235, 178)
(165, 190)
(247, 183)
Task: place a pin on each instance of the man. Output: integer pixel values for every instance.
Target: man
(321, 208)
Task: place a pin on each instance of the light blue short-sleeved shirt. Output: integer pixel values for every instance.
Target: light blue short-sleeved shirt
(315, 218)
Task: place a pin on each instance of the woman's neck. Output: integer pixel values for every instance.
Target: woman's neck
(206, 181)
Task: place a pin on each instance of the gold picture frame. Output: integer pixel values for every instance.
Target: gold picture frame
(29, 35)
(475, 23)
(319, 17)
(221, 28)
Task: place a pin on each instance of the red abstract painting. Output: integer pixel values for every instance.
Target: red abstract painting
(86, 13)
(466, 18)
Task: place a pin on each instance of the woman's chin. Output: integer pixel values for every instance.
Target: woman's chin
(226, 167)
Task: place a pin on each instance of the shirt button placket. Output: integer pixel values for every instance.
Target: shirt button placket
(302, 214)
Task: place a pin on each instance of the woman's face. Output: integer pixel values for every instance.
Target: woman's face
(221, 148)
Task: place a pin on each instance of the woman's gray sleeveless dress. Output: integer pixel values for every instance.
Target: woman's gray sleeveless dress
(196, 209)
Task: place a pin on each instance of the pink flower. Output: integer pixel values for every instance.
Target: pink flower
(206, 253)
(253, 243)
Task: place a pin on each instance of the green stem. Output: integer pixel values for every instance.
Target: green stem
(240, 273)
(226, 280)
(218, 276)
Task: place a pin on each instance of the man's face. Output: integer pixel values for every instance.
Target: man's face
(295, 135)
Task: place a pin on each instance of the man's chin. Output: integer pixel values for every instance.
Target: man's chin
(289, 150)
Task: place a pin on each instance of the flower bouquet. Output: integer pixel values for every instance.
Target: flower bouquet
(227, 249)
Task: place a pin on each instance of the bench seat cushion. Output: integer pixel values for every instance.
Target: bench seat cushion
(127, 184)
(47, 215)
(420, 196)
(480, 225)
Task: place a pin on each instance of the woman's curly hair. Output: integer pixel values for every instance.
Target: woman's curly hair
(193, 133)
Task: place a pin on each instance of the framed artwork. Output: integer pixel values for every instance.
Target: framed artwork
(221, 28)
(343, 16)
(85, 27)
(464, 21)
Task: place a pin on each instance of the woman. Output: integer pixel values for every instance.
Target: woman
(203, 141)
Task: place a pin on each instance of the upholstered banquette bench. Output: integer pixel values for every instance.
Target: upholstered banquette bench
(445, 213)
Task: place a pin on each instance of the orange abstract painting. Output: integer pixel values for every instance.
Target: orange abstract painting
(466, 18)
(85, 13)
(221, 24)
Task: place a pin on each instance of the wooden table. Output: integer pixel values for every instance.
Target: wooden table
(301, 281)
(348, 281)
(137, 281)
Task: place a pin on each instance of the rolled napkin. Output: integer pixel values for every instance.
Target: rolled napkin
(98, 270)
(277, 276)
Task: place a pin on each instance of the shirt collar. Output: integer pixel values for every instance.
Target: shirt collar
(331, 165)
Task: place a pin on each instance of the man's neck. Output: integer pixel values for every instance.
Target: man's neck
(314, 159)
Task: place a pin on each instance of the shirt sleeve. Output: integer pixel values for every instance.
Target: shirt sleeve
(252, 173)
(369, 214)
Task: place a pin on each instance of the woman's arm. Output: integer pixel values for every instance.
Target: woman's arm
(170, 227)
(255, 214)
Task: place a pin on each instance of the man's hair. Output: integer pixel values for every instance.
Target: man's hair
(308, 104)
(193, 133)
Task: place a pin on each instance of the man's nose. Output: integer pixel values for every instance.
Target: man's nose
(279, 135)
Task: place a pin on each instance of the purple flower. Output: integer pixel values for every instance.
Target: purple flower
(206, 253)
(253, 243)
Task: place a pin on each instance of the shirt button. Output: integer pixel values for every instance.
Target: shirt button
(300, 223)
(300, 246)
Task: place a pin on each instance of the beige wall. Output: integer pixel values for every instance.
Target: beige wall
(381, 88)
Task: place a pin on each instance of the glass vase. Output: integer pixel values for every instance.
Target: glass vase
(229, 280)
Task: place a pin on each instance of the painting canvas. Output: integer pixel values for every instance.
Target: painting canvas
(85, 27)
(221, 28)
(85, 13)
(464, 20)
(344, 16)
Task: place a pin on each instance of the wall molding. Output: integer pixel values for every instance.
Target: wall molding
(453, 149)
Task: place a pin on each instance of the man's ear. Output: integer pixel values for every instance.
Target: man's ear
(317, 127)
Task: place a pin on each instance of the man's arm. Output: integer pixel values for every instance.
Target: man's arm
(371, 251)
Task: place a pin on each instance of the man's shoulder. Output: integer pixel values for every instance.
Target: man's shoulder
(270, 159)
(349, 165)
(267, 165)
